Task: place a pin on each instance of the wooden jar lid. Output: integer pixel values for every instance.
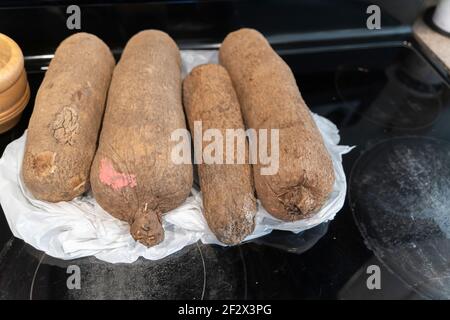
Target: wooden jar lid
(11, 62)
(14, 89)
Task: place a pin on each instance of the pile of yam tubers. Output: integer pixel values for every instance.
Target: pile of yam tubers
(108, 127)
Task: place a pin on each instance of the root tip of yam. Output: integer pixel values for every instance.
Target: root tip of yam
(147, 229)
(300, 203)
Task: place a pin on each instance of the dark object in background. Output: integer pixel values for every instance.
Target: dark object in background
(204, 24)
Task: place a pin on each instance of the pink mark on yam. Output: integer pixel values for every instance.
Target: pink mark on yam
(116, 180)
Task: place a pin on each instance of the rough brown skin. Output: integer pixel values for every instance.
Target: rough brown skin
(228, 195)
(132, 176)
(270, 99)
(63, 129)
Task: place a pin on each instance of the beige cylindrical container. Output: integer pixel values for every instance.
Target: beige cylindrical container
(14, 89)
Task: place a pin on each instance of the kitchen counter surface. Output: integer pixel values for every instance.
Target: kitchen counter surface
(437, 43)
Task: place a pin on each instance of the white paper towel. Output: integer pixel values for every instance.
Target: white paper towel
(81, 228)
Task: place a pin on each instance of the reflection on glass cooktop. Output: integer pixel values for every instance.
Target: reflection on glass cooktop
(387, 101)
(400, 195)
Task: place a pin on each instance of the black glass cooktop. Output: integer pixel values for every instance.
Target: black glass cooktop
(394, 107)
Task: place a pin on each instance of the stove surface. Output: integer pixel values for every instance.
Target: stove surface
(390, 103)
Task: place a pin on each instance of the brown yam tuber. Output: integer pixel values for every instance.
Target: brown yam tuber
(228, 195)
(270, 99)
(133, 176)
(63, 129)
